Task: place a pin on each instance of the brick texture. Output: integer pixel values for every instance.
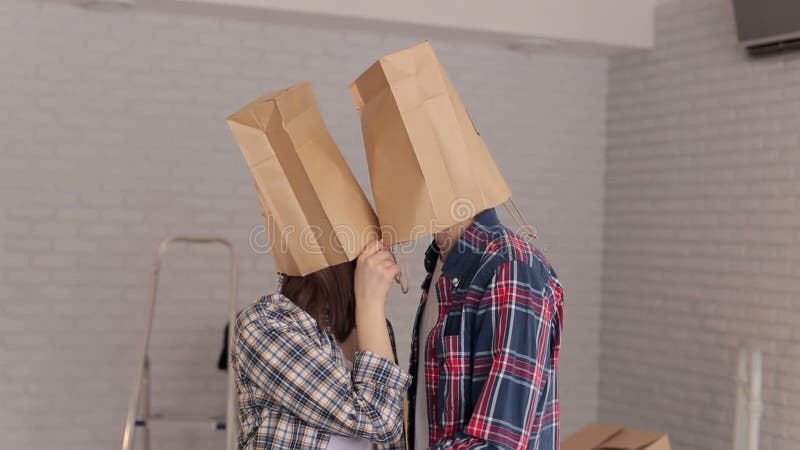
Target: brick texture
(701, 243)
(112, 134)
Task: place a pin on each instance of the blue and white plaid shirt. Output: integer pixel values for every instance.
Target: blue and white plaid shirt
(295, 392)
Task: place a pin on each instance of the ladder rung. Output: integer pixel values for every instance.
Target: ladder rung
(182, 421)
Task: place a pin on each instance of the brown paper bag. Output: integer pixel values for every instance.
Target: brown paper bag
(428, 166)
(316, 213)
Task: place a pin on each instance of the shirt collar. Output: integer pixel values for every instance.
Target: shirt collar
(463, 260)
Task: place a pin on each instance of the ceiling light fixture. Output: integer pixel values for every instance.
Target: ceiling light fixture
(530, 45)
(107, 5)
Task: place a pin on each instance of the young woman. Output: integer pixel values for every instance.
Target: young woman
(315, 364)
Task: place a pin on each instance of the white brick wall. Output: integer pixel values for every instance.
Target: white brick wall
(701, 241)
(112, 135)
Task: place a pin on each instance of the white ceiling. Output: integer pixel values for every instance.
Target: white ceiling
(602, 26)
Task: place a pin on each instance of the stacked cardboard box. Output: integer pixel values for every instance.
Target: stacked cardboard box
(607, 437)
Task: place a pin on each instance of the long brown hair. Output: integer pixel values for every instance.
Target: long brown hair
(326, 295)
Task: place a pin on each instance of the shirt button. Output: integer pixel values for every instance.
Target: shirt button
(351, 416)
(455, 281)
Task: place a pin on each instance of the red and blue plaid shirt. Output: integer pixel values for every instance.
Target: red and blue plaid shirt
(491, 360)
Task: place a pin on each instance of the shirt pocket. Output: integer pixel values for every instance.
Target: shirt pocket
(455, 368)
(453, 323)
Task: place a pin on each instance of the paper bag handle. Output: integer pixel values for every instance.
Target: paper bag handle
(403, 279)
(518, 217)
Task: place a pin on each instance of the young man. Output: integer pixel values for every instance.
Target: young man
(486, 341)
(487, 334)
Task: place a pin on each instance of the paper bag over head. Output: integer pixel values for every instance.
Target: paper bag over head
(428, 166)
(316, 213)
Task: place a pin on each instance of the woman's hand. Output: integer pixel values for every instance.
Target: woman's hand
(375, 271)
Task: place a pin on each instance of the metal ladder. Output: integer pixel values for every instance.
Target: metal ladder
(140, 395)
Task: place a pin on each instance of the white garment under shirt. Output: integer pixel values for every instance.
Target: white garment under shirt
(428, 319)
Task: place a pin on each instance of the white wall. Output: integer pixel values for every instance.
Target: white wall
(112, 134)
(701, 240)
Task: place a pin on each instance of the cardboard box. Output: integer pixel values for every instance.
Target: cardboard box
(615, 437)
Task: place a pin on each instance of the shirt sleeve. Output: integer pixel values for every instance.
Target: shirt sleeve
(285, 362)
(520, 313)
